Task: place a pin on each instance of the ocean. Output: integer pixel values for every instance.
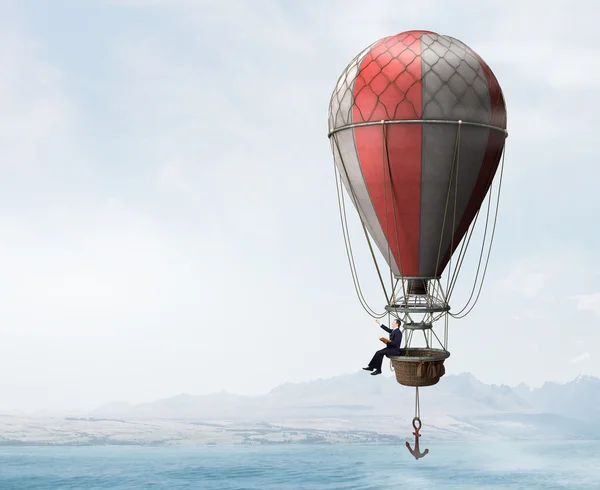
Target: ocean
(456, 465)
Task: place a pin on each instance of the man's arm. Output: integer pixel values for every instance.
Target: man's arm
(388, 330)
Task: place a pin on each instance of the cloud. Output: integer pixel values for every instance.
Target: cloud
(525, 283)
(580, 358)
(111, 261)
(37, 117)
(588, 302)
(171, 176)
(539, 273)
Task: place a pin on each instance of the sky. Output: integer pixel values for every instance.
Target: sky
(168, 213)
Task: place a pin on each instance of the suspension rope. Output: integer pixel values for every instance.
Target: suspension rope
(426, 339)
(389, 323)
(485, 231)
(453, 231)
(359, 216)
(459, 314)
(461, 255)
(456, 144)
(389, 171)
(446, 332)
(349, 254)
(387, 298)
(437, 338)
(487, 219)
(385, 207)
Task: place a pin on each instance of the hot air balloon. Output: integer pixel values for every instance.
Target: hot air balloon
(417, 125)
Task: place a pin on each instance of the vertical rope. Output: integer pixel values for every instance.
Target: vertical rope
(348, 244)
(452, 231)
(417, 403)
(385, 207)
(387, 157)
(456, 145)
(459, 314)
(427, 343)
(388, 298)
(349, 254)
(446, 332)
(485, 231)
(490, 186)
(462, 254)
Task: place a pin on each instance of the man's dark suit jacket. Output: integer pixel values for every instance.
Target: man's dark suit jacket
(395, 337)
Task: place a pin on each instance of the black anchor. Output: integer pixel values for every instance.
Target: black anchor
(416, 452)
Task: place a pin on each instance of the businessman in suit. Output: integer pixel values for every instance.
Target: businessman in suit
(392, 347)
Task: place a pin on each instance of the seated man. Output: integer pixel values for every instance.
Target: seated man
(392, 347)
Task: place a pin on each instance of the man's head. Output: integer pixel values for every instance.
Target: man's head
(396, 323)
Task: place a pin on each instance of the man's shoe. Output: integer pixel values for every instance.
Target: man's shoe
(376, 372)
(368, 368)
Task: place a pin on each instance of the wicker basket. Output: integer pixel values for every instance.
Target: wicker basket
(419, 366)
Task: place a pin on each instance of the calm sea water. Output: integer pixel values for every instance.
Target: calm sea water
(571, 465)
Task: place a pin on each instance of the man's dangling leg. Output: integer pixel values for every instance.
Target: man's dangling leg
(377, 361)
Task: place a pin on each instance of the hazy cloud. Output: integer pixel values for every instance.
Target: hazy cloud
(590, 302)
(581, 357)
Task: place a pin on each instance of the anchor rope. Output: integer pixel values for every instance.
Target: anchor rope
(417, 404)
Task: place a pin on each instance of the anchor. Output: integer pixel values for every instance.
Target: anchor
(416, 451)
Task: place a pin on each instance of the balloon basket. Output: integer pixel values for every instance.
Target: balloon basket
(419, 366)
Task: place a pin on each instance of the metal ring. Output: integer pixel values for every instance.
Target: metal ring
(418, 326)
(424, 278)
(416, 121)
(416, 309)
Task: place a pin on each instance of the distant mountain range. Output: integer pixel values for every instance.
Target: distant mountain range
(361, 394)
(350, 408)
(459, 405)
